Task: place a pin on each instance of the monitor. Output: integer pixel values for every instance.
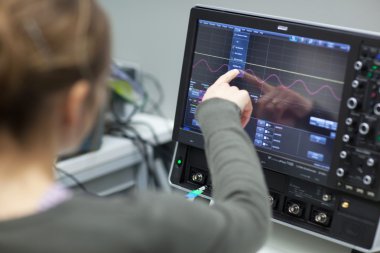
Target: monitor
(315, 91)
(295, 82)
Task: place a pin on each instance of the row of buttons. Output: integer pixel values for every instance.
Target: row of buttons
(370, 52)
(360, 191)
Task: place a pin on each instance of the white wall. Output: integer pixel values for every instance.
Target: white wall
(152, 33)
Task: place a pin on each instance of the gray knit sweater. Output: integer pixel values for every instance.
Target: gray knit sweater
(154, 222)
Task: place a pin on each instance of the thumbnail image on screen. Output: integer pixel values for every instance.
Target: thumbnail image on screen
(295, 84)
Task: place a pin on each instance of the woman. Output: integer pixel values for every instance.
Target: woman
(54, 56)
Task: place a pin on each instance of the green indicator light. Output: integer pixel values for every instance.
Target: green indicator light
(374, 67)
(378, 138)
(179, 161)
(369, 75)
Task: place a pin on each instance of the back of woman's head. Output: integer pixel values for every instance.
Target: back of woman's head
(45, 46)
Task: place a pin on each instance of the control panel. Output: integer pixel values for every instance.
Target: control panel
(359, 156)
(312, 208)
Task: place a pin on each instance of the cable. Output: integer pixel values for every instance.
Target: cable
(120, 74)
(149, 159)
(118, 118)
(140, 143)
(76, 181)
(155, 137)
(123, 124)
(161, 94)
(165, 153)
(119, 130)
(191, 196)
(157, 84)
(157, 145)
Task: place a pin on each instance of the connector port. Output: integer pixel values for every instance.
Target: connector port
(198, 176)
(294, 208)
(273, 200)
(320, 217)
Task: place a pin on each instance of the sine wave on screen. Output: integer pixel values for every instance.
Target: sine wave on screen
(310, 92)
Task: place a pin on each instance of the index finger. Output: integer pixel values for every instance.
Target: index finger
(227, 77)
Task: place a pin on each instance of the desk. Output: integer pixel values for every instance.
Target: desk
(288, 240)
(118, 165)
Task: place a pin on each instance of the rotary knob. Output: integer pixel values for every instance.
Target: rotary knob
(356, 84)
(340, 172)
(364, 128)
(358, 65)
(346, 138)
(349, 121)
(376, 109)
(352, 103)
(367, 180)
(371, 162)
(343, 154)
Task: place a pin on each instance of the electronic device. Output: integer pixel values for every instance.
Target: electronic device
(315, 90)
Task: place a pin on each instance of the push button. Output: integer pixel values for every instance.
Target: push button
(370, 194)
(345, 204)
(373, 52)
(364, 52)
(359, 191)
(349, 187)
(377, 60)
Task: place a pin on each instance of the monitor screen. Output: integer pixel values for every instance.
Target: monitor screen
(295, 84)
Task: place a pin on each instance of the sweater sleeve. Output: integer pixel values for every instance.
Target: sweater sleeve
(239, 221)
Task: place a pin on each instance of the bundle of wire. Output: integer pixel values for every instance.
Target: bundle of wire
(133, 93)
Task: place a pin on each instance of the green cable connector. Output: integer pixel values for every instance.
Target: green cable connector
(195, 193)
(123, 89)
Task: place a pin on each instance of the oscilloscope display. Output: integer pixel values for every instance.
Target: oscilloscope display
(295, 84)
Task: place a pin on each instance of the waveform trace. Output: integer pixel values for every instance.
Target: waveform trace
(300, 81)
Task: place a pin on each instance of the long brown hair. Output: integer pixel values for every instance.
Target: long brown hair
(46, 45)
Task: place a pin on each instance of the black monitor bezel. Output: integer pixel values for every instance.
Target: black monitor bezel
(270, 24)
